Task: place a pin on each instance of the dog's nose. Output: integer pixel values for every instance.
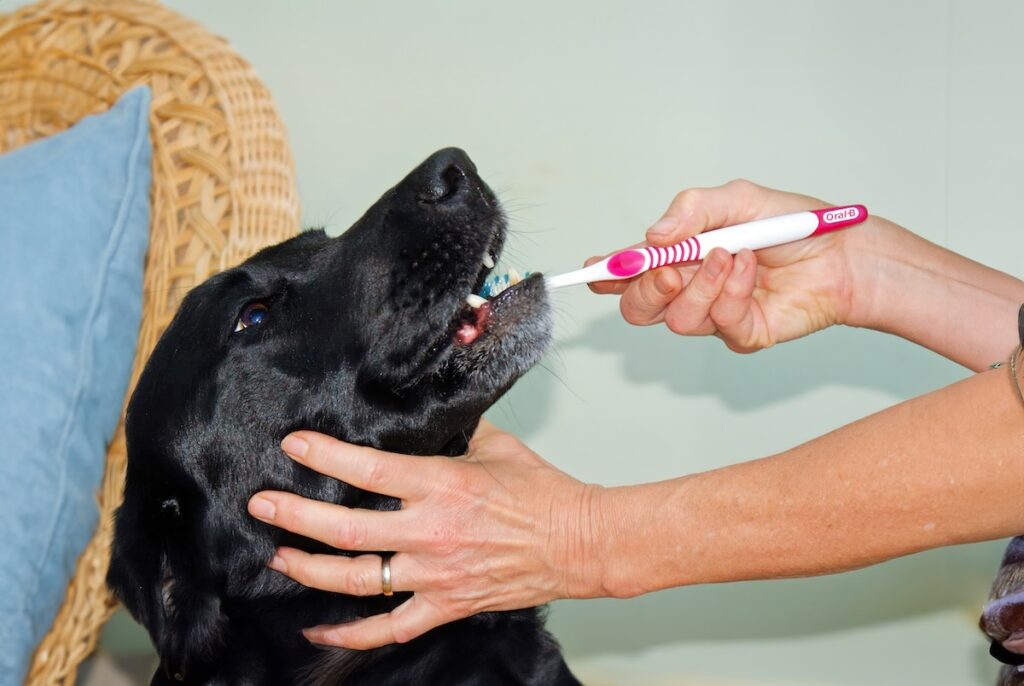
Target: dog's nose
(445, 177)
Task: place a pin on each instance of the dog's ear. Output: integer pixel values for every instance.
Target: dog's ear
(167, 594)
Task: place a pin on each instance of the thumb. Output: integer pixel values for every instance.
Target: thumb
(696, 210)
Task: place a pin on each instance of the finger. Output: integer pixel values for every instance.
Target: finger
(340, 527)
(412, 618)
(614, 287)
(400, 476)
(699, 209)
(689, 313)
(361, 576)
(645, 302)
(732, 312)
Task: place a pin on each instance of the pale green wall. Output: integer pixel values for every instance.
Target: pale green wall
(587, 117)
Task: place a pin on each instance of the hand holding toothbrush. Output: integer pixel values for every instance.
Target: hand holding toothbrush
(751, 301)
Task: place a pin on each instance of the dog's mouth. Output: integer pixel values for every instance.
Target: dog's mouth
(489, 292)
(491, 295)
(502, 318)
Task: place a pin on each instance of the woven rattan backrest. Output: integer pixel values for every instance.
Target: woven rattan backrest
(223, 187)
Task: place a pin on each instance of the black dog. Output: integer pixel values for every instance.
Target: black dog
(366, 337)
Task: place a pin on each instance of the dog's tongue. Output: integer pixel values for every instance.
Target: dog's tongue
(471, 328)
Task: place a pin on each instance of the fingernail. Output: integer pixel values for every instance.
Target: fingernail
(315, 635)
(261, 508)
(278, 564)
(713, 266)
(664, 226)
(740, 263)
(294, 446)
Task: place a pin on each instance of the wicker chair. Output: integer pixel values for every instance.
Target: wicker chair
(223, 187)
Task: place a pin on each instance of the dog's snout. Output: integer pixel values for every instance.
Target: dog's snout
(443, 186)
(445, 177)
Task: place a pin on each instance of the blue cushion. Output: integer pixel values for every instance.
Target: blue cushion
(74, 224)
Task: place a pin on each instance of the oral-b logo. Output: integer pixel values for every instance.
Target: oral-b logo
(841, 215)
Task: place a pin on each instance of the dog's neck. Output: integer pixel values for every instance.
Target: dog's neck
(486, 650)
(489, 649)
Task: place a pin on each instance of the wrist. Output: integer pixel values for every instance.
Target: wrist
(874, 270)
(622, 545)
(582, 544)
(902, 284)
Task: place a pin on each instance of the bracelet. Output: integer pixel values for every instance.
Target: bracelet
(1013, 363)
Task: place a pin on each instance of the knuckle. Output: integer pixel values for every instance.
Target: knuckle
(744, 186)
(457, 481)
(376, 475)
(506, 443)
(733, 288)
(337, 637)
(449, 583)
(678, 322)
(350, 534)
(356, 583)
(290, 514)
(300, 571)
(630, 312)
(444, 539)
(702, 290)
(319, 450)
(689, 198)
(436, 579)
(402, 633)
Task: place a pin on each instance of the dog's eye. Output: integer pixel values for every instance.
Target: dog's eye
(254, 314)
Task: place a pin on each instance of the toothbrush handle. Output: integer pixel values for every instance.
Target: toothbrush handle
(761, 233)
(754, 235)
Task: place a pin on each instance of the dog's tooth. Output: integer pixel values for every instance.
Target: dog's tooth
(513, 276)
(488, 260)
(474, 300)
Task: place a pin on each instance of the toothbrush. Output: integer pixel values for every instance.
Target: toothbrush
(762, 233)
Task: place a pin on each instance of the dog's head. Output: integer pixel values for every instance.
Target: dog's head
(367, 337)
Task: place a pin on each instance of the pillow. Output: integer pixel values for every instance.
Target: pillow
(74, 224)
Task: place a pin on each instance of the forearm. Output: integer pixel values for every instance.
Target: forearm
(934, 297)
(941, 469)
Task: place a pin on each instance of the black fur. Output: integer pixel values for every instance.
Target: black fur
(357, 343)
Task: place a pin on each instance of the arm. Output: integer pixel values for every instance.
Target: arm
(503, 529)
(941, 469)
(934, 297)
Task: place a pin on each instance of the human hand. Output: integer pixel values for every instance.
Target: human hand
(750, 302)
(499, 529)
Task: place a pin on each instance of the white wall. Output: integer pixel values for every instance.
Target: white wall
(587, 117)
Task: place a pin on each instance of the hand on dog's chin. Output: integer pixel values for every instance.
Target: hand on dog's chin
(518, 533)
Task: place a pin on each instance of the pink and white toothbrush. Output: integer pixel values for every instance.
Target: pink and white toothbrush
(762, 233)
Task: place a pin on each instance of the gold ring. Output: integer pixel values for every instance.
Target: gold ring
(385, 574)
